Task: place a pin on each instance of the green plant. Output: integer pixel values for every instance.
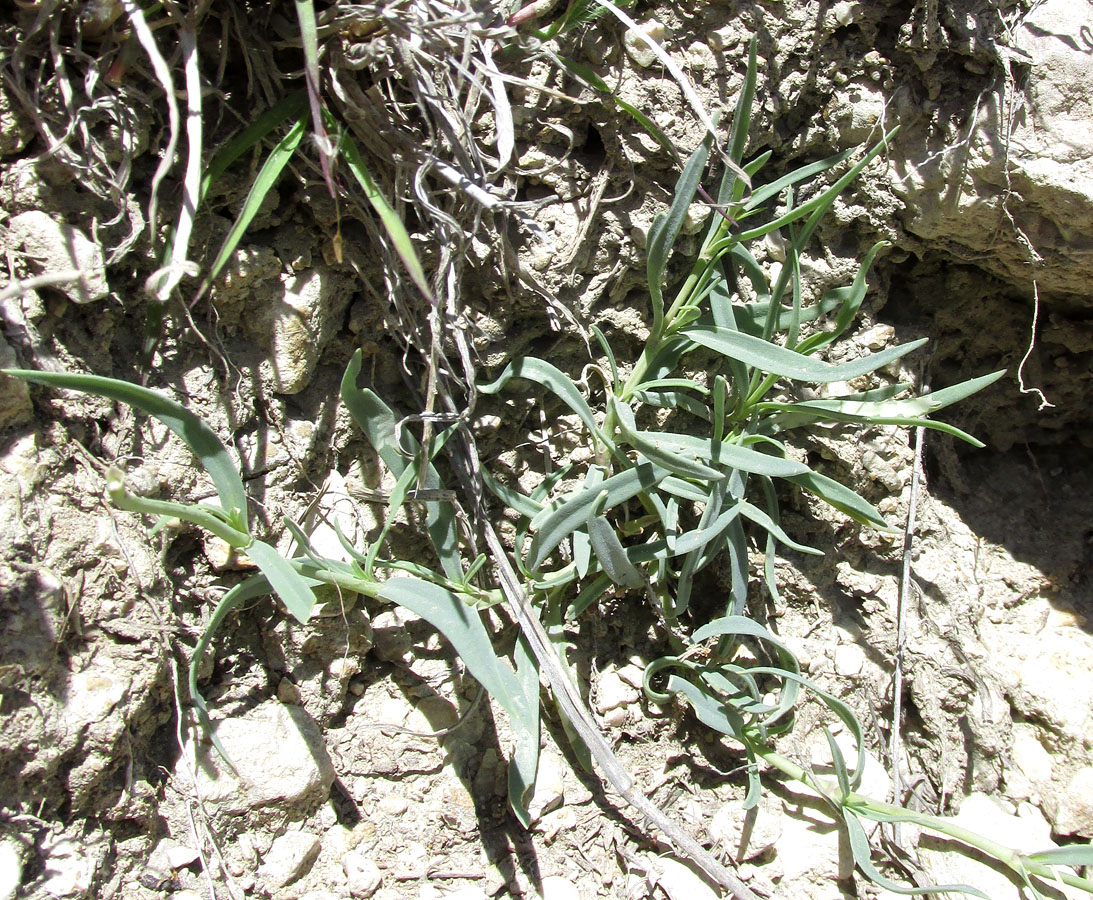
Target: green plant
(653, 508)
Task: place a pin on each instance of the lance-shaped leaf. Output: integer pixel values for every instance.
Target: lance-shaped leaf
(863, 856)
(768, 357)
(263, 183)
(843, 499)
(661, 450)
(611, 554)
(198, 436)
(290, 586)
(379, 424)
(666, 227)
(552, 526)
(517, 693)
(554, 380)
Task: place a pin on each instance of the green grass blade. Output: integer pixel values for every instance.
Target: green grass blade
(777, 360)
(263, 183)
(392, 224)
(734, 456)
(291, 107)
(767, 191)
(555, 525)
(290, 586)
(584, 73)
(198, 436)
(673, 400)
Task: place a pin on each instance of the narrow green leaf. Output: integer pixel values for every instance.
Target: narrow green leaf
(463, 627)
(609, 353)
(512, 498)
(291, 107)
(863, 856)
(392, 224)
(660, 449)
(577, 509)
(588, 595)
(726, 453)
(197, 435)
(525, 724)
(288, 584)
(263, 183)
(789, 364)
(554, 380)
(1069, 855)
(843, 499)
(611, 555)
(378, 423)
(666, 227)
(673, 400)
(764, 521)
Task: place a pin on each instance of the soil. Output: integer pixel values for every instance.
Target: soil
(100, 615)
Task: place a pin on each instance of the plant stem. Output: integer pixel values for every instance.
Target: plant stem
(887, 812)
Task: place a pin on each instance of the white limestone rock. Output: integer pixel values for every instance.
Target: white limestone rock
(53, 246)
(280, 756)
(289, 858)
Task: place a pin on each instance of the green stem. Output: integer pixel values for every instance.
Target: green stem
(887, 812)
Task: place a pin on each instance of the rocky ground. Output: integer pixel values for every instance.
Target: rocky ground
(368, 763)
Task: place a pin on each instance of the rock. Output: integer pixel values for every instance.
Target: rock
(1031, 763)
(362, 873)
(11, 869)
(1047, 162)
(613, 693)
(390, 637)
(638, 49)
(1027, 831)
(549, 791)
(1073, 811)
(280, 756)
(289, 858)
(297, 326)
(849, 660)
(746, 834)
(52, 246)
(15, 405)
(320, 895)
(681, 882)
(16, 130)
(556, 887)
(69, 871)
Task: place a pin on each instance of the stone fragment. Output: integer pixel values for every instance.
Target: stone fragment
(637, 48)
(289, 858)
(11, 869)
(681, 882)
(296, 326)
(362, 874)
(612, 692)
(1074, 810)
(746, 834)
(849, 660)
(321, 895)
(69, 871)
(15, 405)
(279, 754)
(549, 791)
(53, 247)
(557, 887)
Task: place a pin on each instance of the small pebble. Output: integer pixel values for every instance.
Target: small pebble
(393, 805)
